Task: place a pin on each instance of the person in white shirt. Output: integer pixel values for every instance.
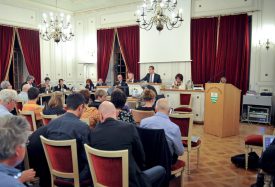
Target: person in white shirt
(131, 78)
(8, 100)
(23, 95)
(178, 83)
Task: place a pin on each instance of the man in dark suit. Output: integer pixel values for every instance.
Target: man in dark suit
(152, 76)
(61, 86)
(112, 134)
(121, 84)
(100, 82)
(29, 80)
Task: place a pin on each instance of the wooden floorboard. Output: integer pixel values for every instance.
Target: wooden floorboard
(215, 168)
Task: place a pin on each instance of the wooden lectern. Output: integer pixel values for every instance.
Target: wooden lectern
(222, 109)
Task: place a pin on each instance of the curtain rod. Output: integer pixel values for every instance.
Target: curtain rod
(229, 14)
(115, 27)
(16, 27)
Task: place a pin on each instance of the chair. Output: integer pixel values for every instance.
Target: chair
(185, 123)
(47, 118)
(251, 142)
(63, 163)
(138, 115)
(30, 116)
(108, 168)
(185, 103)
(19, 106)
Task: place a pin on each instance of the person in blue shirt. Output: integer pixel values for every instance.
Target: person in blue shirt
(14, 133)
(7, 101)
(161, 121)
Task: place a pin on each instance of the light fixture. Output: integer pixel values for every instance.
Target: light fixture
(159, 13)
(56, 27)
(267, 43)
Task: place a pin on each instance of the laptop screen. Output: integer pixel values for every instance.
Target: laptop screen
(268, 139)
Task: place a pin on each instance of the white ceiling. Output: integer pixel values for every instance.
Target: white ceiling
(84, 5)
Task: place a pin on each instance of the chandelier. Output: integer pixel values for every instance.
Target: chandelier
(56, 27)
(155, 12)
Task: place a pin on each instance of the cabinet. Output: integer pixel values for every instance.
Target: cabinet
(257, 109)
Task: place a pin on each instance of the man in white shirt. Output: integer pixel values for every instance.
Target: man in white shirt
(23, 95)
(8, 100)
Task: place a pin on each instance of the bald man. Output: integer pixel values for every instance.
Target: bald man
(23, 95)
(112, 134)
(161, 121)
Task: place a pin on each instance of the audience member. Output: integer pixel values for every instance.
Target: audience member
(89, 85)
(55, 105)
(23, 95)
(29, 80)
(100, 96)
(131, 78)
(152, 76)
(118, 98)
(45, 87)
(32, 105)
(69, 126)
(148, 96)
(178, 83)
(223, 80)
(61, 86)
(8, 100)
(6, 85)
(90, 113)
(105, 137)
(161, 121)
(14, 133)
(100, 82)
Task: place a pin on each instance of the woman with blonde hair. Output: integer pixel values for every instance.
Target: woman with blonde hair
(149, 97)
(55, 106)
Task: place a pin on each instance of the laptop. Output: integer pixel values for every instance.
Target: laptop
(267, 140)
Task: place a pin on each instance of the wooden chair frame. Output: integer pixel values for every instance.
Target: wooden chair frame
(85, 120)
(16, 107)
(51, 117)
(109, 154)
(189, 138)
(30, 113)
(138, 114)
(54, 173)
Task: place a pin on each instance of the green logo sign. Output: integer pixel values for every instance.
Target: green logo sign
(214, 97)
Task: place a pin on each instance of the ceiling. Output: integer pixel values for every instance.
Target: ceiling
(84, 5)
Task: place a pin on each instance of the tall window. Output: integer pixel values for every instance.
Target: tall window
(119, 64)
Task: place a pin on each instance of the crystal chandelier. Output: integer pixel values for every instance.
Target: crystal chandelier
(155, 12)
(56, 27)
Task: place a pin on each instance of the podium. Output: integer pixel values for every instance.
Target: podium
(222, 109)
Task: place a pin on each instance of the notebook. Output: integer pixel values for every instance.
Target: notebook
(267, 140)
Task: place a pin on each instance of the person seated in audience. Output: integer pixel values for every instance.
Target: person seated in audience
(45, 87)
(23, 95)
(90, 113)
(100, 82)
(105, 137)
(100, 96)
(223, 80)
(6, 85)
(55, 106)
(172, 132)
(29, 80)
(152, 77)
(118, 98)
(61, 86)
(32, 105)
(89, 85)
(14, 132)
(148, 96)
(8, 100)
(178, 83)
(131, 78)
(68, 126)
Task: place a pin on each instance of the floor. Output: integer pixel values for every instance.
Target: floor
(215, 168)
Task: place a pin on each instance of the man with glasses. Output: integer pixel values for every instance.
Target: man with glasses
(152, 77)
(8, 100)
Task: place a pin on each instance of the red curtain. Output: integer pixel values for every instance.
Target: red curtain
(6, 49)
(129, 45)
(30, 46)
(233, 56)
(203, 49)
(105, 45)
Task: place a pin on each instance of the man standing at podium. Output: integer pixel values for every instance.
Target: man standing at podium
(152, 77)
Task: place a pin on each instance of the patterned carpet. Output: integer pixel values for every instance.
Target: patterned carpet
(215, 168)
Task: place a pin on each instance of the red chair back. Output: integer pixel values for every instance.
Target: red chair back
(183, 124)
(185, 99)
(30, 117)
(46, 121)
(19, 105)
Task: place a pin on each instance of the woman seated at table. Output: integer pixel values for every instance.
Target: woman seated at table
(149, 97)
(118, 98)
(90, 85)
(55, 106)
(90, 113)
(178, 83)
